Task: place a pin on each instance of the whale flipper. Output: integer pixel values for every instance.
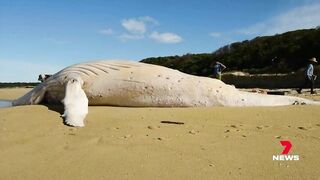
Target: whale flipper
(75, 103)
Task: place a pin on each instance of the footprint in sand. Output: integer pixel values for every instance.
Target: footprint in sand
(234, 128)
(193, 132)
(303, 128)
(127, 136)
(261, 127)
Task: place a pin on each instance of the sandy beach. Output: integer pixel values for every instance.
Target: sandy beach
(133, 143)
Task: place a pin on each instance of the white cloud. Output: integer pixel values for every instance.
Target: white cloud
(134, 26)
(165, 37)
(107, 31)
(303, 17)
(137, 28)
(149, 20)
(215, 34)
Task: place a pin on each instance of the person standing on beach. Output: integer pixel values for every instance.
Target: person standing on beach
(309, 76)
(217, 69)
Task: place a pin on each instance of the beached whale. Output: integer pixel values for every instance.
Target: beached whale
(135, 84)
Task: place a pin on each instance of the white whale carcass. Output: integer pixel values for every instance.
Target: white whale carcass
(135, 84)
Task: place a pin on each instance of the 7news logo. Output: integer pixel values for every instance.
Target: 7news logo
(284, 155)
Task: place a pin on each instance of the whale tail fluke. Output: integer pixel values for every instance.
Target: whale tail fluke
(35, 96)
(255, 99)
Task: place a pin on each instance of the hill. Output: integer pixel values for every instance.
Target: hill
(281, 53)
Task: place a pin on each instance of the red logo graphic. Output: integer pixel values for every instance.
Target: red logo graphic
(284, 155)
(287, 146)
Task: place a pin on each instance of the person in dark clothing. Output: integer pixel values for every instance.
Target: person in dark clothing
(217, 70)
(309, 76)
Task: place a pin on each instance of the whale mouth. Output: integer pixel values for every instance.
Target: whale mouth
(5, 103)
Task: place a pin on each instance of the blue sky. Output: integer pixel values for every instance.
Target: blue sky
(42, 36)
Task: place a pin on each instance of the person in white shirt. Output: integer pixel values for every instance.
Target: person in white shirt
(309, 76)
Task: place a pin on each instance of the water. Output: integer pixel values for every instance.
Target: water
(5, 103)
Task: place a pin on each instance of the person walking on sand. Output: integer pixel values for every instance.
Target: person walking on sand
(309, 76)
(217, 69)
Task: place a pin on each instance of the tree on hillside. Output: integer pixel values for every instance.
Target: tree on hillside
(292, 50)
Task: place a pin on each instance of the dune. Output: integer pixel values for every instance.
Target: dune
(134, 143)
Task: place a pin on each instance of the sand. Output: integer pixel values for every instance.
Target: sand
(132, 143)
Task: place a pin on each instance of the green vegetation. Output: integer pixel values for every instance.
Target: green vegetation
(290, 52)
(18, 84)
